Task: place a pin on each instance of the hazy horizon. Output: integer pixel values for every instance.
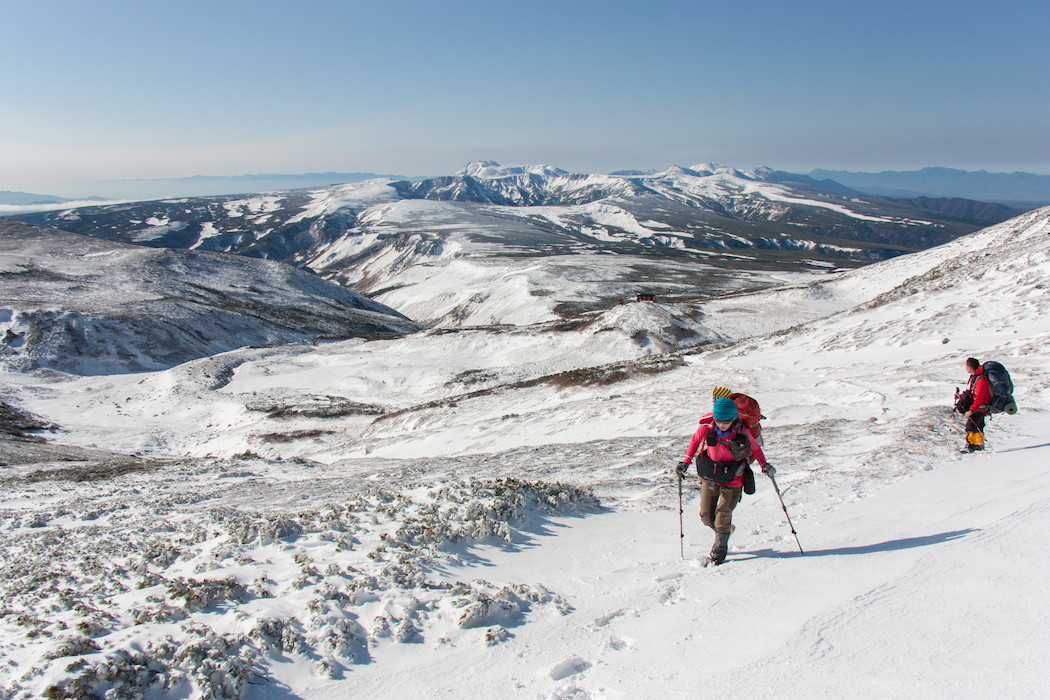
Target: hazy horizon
(128, 190)
(123, 90)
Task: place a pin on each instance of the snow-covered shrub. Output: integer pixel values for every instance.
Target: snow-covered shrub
(482, 605)
(478, 509)
(281, 634)
(200, 595)
(72, 646)
(196, 573)
(342, 638)
(211, 665)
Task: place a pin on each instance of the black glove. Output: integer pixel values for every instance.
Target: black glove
(681, 468)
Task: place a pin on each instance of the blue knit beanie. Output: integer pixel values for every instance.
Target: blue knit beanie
(725, 409)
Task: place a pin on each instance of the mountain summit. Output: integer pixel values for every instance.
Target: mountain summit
(490, 170)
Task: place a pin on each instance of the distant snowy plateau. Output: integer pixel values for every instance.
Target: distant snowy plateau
(465, 249)
(230, 476)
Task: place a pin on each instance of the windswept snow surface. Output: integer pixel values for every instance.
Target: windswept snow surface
(491, 512)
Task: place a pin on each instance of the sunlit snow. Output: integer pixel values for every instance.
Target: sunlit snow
(491, 512)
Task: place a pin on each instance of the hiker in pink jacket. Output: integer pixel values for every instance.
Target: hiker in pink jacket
(723, 450)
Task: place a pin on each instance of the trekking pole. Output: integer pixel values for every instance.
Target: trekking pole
(681, 531)
(777, 489)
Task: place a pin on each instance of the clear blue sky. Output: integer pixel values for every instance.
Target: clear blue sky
(115, 89)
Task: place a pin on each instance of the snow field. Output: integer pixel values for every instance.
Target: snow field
(459, 536)
(894, 598)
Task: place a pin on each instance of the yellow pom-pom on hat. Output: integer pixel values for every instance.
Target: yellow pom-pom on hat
(720, 392)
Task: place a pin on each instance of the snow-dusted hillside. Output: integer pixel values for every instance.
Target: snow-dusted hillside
(519, 373)
(433, 517)
(490, 224)
(89, 306)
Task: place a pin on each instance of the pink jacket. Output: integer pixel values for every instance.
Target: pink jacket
(721, 452)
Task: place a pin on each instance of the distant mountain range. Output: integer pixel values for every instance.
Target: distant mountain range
(196, 186)
(28, 198)
(453, 249)
(1020, 190)
(206, 185)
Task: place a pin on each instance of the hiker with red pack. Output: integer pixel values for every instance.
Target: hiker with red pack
(990, 391)
(974, 404)
(723, 449)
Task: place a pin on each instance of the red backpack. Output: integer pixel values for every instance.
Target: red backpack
(749, 412)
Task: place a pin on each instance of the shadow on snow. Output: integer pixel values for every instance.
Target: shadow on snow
(527, 533)
(888, 546)
(1026, 447)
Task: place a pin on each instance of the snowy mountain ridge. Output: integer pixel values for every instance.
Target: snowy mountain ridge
(702, 185)
(490, 170)
(683, 233)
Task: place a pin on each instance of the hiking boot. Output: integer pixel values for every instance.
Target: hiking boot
(720, 547)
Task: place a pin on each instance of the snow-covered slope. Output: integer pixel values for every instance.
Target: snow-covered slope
(1005, 259)
(443, 541)
(518, 374)
(89, 306)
